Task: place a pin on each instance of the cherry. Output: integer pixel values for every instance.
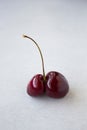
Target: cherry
(36, 86)
(54, 83)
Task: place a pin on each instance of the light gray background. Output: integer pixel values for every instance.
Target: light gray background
(60, 28)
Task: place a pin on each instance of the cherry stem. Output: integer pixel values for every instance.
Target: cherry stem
(25, 36)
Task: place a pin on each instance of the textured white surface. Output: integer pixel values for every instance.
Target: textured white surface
(60, 28)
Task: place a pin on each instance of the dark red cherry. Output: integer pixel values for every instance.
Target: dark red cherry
(36, 86)
(56, 85)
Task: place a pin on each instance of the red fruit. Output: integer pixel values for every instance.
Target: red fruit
(36, 86)
(56, 85)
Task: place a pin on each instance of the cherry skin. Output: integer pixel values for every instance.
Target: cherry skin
(56, 85)
(36, 86)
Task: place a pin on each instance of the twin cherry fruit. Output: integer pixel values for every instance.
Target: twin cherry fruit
(54, 84)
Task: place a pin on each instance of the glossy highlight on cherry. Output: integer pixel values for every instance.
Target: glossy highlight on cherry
(53, 84)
